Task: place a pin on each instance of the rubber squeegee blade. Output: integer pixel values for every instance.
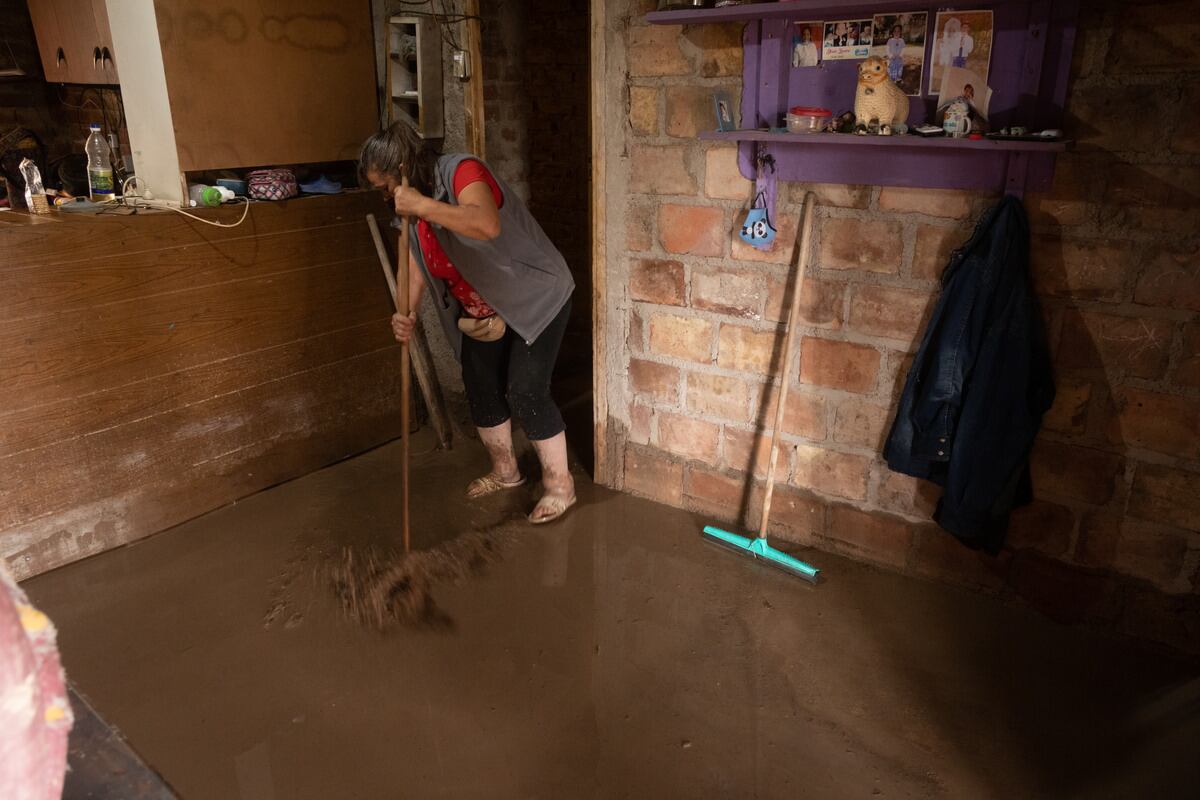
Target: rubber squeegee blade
(758, 548)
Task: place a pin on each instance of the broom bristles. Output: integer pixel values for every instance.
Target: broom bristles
(377, 589)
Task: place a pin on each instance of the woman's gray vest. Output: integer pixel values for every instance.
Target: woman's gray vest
(520, 273)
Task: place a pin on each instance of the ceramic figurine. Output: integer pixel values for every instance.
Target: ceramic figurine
(878, 100)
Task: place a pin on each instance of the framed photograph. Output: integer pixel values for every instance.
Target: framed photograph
(847, 39)
(962, 39)
(900, 41)
(723, 105)
(807, 38)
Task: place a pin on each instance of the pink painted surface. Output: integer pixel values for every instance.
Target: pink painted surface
(35, 716)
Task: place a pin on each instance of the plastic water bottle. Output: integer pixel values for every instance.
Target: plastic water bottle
(202, 195)
(100, 170)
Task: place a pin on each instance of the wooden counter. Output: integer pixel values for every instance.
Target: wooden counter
(153, 368)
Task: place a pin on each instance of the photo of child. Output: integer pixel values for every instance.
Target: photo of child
(806, 44)
(900, 41)
(847, 39)
(962, 39)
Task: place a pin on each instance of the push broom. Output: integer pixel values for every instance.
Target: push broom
(377, 589)
(759, 548)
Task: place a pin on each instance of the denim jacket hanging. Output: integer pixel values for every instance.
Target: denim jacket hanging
(981, 381)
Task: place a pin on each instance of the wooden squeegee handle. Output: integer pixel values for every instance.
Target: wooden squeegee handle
(789, 352)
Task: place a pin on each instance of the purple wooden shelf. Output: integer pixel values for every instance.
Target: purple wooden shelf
(793, 9)
(1030, 67)
(852, 140)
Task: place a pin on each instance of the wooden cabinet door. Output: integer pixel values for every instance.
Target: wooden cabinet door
(51, 40)
(77, 27)
(108, 58)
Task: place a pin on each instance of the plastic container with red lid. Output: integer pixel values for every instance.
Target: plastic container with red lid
(808, 119)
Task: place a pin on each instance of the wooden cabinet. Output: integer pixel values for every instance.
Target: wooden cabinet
(414, 74)
(74, 41)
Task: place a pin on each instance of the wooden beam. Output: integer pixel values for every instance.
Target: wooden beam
(603, 467)
(473, 96)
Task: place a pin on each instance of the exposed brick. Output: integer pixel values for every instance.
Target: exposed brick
(682, 337)
(1080, 270)
(1173, 620)
(884, 311)
(1171, 280)
(716, 493)
(749, 452)
(1095, 118)
(723, 177)
(718, 396)
(804, 415)
(1069, 413)
(934, 202)
(636, 340)
(687, 437)
(1153, 185)
(797, 516)
(1131, 547)
(690, 111)
(639, 227)
(720, 48)
(643, 109)
(838, 365)
(820, 302)
(650, 473)
(934, 245)
(873, 537)
(659, 382)
(1161, 422)
(1154, 37)
(861, 423)
(1138, 346)
(1166, 494)
(697, 230)
(745, 349)
(656, 169)
(1079, 473)
(1042, 526)
(831, 194)
(1064, 593)
(907, 495)
(654, 51)
(871, 245)
(1187, 135)
(655, 280)
(830, 472)
(728, 291)
(1187, 371)
(939, 555)
(781, 249)
(1052, 211)
(640, 417)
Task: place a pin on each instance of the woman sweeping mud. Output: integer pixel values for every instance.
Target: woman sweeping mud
(502, 293)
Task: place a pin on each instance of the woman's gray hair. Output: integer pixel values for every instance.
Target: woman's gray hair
(399, 151)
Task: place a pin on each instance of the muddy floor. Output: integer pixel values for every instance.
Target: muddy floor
(609, 655)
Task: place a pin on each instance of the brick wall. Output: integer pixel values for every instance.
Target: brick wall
(1114, 536)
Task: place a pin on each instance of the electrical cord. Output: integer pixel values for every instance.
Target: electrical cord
(141, 201)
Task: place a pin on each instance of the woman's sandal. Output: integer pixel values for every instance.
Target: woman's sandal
(557, 504)
(490, 484)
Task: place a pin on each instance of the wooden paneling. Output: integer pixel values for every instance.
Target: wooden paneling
(155, 368)
(261, 82)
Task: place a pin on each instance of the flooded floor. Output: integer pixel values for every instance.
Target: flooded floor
(609, 655)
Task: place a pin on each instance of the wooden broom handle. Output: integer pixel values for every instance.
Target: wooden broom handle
(402, 301)
(789, 350)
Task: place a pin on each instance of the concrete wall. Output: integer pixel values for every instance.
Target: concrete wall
(1114, 535)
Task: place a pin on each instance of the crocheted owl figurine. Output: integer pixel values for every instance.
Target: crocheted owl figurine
(878, 99)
